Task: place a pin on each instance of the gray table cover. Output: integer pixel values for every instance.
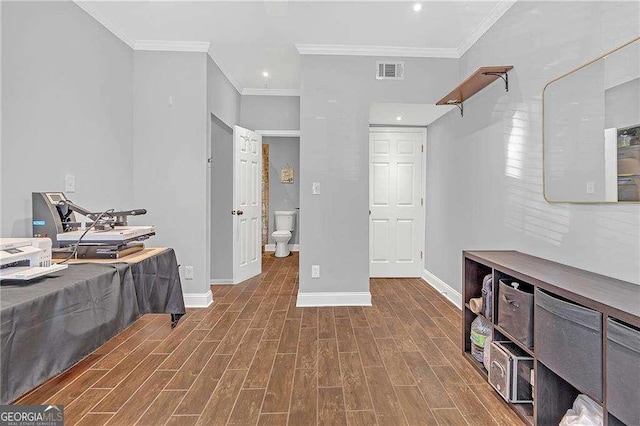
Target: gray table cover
(158, 287)
(49, 324)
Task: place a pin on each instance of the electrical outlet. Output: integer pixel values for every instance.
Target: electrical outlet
(591, 187)
(69, 183)
(188, 272)
(315, 188)
(315, 271)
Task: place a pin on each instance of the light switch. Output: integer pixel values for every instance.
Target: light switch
(315, 188)
(315, 271)
(69, 183)
(591, 187)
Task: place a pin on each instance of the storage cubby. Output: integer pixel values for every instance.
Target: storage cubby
(499, 334)
(570, 341)
(623, 371)
(580, 321)
(554, 396)
(514, 310)
(474, 275)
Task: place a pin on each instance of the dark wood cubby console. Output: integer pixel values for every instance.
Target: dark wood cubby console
(553, 391)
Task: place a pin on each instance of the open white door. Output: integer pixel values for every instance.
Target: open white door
(247, 202)
(395, 194)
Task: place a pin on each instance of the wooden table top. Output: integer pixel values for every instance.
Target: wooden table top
(132, 258)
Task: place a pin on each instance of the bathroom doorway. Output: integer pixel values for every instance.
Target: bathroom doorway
(281, 185)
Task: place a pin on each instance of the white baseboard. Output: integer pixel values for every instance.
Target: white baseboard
(272, 247)
(443, 288)
(198, 300)
(221, 281)
(362, 298)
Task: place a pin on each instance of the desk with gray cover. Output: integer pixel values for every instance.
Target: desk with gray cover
(48, 325)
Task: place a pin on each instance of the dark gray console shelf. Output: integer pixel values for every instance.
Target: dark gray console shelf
(586, 334)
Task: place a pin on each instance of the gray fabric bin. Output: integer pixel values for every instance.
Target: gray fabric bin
(515, 313)
(623, 372)
(569, 342)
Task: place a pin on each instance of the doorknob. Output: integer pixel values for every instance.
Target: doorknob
(240, 213)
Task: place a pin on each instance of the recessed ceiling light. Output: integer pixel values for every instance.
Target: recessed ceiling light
(399, 118)
(417, 7)
(265, 73)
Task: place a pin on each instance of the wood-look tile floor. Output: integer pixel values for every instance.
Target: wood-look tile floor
(254, 358)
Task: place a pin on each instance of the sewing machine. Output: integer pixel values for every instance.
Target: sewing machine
(106, 235)
(26, 258)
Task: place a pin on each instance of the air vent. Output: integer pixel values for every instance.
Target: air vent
(390, 70)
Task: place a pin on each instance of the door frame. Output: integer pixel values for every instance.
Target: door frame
(423, 180)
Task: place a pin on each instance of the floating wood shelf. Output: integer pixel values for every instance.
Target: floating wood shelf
(474, 83)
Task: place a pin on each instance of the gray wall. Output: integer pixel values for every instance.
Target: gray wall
(66, 101)
(223, 99)
(221, 201)
(283, 196)
(270, 112)
(484, 171)
(223, 102)
(170, 155)
(336, 93)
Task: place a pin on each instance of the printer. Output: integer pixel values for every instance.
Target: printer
(26, 258)
(106, 235)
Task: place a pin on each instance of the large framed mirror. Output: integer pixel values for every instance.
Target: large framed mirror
(591, 130)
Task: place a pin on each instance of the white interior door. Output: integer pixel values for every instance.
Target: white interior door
(247, 201)
(395, 196)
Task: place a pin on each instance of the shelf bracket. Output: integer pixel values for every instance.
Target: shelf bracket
(461, 108)
(503, 75)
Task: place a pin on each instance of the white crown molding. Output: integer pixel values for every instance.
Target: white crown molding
(89, 7)
(496, 13)
(270, 92)
(304, 49)
(443, 288)
(412, 52)
(362, 298)
(172, 46)
(388, 51)
(278, 134)
(198, 300)
(156, 45)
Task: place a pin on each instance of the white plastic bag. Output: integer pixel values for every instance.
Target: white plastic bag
(585, 412)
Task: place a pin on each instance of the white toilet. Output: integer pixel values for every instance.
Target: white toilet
(285, 222)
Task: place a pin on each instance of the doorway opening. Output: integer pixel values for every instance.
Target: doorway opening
(221, 202)
(397, 182)
(281, 192)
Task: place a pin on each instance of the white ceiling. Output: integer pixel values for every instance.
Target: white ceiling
(247, 37)
(409, 114)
